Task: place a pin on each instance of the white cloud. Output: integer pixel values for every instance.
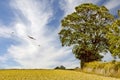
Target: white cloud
(44, 51)
(5, 32)
(112, 4)
(107, 57)
(69, 5)
(3, 58)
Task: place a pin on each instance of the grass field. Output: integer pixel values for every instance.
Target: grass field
(49, 75)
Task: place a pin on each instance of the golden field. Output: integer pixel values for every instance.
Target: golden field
(49, 75)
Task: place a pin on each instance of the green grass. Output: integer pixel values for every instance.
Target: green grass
(49, 75)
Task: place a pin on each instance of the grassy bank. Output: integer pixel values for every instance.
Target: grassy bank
(103, 68)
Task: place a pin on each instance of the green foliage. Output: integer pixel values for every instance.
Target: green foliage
(56, 67)
(113, 61)
(85, 30)
(113, 35)
(119, 13)
(60, 67)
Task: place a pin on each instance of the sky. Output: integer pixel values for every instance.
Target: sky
(29, 32)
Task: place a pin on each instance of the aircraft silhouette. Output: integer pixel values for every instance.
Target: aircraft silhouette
(31, 37)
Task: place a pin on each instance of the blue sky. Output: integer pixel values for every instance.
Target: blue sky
(39, 19)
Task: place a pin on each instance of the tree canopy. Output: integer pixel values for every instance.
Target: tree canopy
(85, 30)
(113, 35)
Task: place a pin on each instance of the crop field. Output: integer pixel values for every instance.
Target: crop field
(49, 75)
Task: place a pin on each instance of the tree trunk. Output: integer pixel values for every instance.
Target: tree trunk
(82, 63)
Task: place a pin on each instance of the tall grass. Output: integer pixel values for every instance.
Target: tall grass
(104, 68)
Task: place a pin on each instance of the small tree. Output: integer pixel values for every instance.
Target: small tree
(85, 30)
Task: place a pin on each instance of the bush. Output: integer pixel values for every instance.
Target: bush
(56, 67)
(60, 67)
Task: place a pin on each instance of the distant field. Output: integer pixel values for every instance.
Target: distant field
(49, 75)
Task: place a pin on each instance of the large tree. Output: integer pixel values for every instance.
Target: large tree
(85, 31)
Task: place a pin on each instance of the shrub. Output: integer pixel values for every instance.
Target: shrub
(60, 67)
